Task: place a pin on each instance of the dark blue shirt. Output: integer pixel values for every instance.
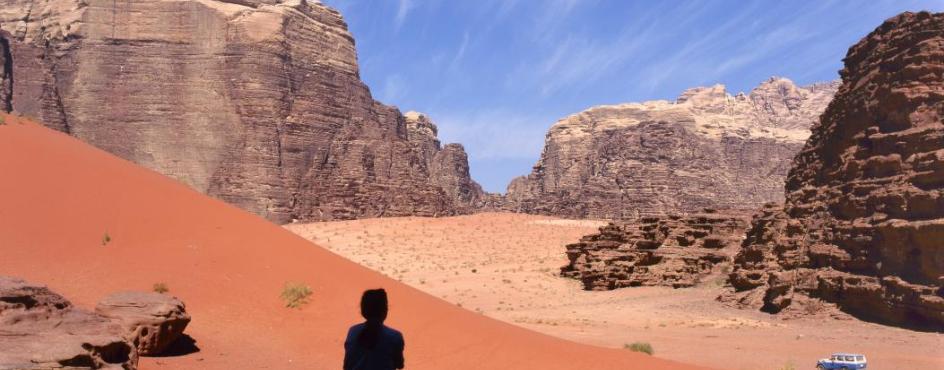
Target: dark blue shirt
(387, 354)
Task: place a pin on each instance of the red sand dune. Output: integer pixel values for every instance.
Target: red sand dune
(59, 197)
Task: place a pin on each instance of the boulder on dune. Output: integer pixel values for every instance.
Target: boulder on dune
(151, 321)
(40, 329)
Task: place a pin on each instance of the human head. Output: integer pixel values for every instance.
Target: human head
(374, 305)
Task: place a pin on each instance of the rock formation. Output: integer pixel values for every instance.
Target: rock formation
(671, 251)
(151, 321)
(40, 330)
(862, 225)
(256, 102)
(707, 149)
(448, 165)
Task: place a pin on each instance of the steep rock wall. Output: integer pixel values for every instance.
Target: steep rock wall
(258, 103)
(863, 222)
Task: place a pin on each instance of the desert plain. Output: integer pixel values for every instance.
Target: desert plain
(506, 266)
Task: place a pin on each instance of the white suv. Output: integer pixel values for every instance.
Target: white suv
(843, 361)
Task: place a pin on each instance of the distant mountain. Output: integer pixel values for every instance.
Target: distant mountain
(707, 149)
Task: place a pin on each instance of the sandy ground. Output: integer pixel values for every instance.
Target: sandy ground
(58, 197)
(506, 266)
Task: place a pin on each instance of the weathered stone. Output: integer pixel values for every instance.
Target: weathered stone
(863, 221)
(151, 321)
(41, 330)
(706, 149)
(671, 251)
(256, 102)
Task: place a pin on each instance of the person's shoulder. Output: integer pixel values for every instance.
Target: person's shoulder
(392, 333)
(355, 329)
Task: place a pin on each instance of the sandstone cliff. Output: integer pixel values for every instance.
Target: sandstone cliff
(671, 251)
(707, 149)
(863, 222)
(256, 102)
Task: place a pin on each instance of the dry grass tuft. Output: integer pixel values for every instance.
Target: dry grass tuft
(160, 288)
(643, 347)
(295, 295)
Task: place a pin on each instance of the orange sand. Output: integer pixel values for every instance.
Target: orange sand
(59, 197)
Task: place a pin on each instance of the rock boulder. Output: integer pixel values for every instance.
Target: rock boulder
(151, 321)
(41, 330)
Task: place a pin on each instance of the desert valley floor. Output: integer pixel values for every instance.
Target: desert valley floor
(506, 266)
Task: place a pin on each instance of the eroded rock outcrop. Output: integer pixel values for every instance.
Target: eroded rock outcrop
(256, 102)
(863, 222)
(151, 321)
(676, 251)
(41, 330)
(708, 149)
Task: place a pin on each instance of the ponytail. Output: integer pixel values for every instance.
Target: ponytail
(374, 310)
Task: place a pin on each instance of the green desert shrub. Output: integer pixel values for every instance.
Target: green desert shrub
(160, 288)
(295, 294)
(643, 347)
(106, 239)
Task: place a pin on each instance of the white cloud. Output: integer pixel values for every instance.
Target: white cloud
(403, 10)
(494, 134)
(460, 53)
(394, 88)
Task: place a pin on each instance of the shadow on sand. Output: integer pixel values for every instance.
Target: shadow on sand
(183, 346)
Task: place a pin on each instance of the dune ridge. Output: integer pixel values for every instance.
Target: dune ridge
(61, 196)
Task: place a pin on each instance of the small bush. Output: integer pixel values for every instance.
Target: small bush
(160, 288)
(789, 366)
(106, 239)
(295, 294)
(643, 347)
(3, 120)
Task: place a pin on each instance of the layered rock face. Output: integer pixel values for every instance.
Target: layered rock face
(676, 251)
(256, 102)
(707, 149)
(448, 165)
(863, 222)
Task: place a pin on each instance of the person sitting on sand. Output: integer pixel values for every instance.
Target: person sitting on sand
(373, 345)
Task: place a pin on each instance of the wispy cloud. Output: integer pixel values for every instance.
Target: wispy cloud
(494, 134)
(403, 10)
(460, 53)
(494, 74)
(573, 61)
(394, 88)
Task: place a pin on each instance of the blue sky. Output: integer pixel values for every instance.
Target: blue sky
(495, 74)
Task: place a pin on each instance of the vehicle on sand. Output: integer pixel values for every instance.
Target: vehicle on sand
(842, 361)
